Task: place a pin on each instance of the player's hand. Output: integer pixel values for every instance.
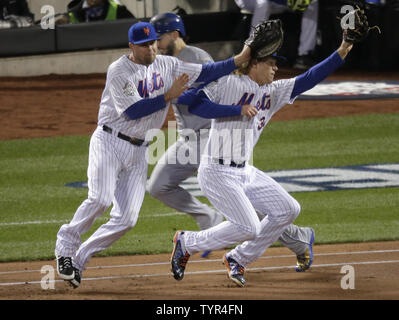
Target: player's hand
(178, 87)
(243, 57)
(248, 110)
(344, 49)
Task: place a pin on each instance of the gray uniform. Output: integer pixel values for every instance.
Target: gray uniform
(165, 180)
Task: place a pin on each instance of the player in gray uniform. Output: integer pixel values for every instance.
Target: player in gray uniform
(165, 180)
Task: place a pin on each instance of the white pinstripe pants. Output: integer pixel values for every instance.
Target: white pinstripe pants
(117, 175)
(238, 193)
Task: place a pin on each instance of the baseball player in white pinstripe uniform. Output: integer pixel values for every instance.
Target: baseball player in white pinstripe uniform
(193, 133)
(238, 190)
(138, 90)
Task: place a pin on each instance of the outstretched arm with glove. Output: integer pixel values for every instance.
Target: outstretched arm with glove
(319, 72)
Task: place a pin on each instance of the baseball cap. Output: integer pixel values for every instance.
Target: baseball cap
(275, 56)
(142, 32)
(279, 58)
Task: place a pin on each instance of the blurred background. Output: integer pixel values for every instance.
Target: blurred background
(72, 44)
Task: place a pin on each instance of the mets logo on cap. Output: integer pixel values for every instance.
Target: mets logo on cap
(142, 32)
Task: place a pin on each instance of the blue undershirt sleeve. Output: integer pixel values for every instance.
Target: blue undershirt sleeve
(145, 107)
(189, 95)
(316, 74)
(203, 107)
(213, 71)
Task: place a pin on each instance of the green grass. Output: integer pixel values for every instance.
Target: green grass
(329, 142)
(33, 173)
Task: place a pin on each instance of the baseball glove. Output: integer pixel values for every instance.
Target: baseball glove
(361, 28)
(266, 39)
(298, 5)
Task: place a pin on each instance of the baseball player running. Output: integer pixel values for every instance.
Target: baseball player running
(193, 133)
(138, 90)
(166, 176)
(235, 188)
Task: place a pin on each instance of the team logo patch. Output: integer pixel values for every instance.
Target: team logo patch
(128, 89)
(146, 31)
(352, 90)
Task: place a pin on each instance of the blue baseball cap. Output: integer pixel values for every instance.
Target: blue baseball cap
(168, 22)
(142, 32)
(279, 58)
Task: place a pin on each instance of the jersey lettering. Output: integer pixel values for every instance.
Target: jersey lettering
(145, 89)
(245, 99)
(262, 123)
(265, 103)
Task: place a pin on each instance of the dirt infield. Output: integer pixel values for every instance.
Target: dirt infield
(50, 106)
(54, 106)
(375, 276)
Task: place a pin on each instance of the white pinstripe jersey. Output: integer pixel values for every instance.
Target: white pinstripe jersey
(236, 137)
(128, 82)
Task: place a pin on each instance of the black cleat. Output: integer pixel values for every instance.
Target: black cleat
(75, 282)
(64, 267)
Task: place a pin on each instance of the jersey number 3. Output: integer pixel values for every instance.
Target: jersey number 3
(262, 123)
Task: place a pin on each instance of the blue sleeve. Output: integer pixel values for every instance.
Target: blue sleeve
(203, 107)
(189, 95)
(145, 107)
(213, 71)
(316, 74)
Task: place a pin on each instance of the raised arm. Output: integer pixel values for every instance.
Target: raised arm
(213, 71)
(320, 71)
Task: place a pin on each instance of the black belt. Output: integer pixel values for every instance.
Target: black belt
(132, 140)
(233, 164)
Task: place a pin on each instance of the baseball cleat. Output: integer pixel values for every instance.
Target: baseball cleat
(305, 260)
(64, 267)
(179, 258)
(235, 271)
(75, 282)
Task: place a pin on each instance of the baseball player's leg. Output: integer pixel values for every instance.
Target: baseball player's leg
(300, 241)
(129, 195)
(307, 39)
(224, 189)
(260, 12)
(164, 185)
(267, 196)
(295, 238)
(101, 174)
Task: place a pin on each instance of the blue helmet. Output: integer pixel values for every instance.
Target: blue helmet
(168, 22)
